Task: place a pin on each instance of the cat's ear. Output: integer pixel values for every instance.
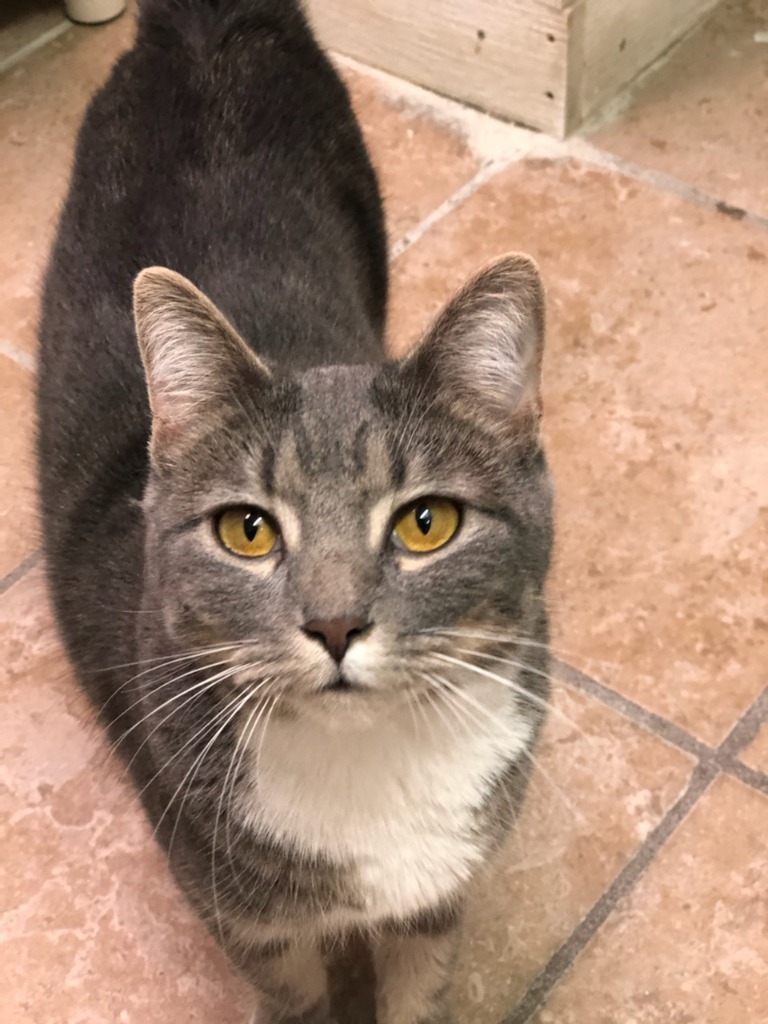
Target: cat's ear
(193, 357)
(482, 355)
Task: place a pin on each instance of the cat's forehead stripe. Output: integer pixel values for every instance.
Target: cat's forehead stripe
(336, 434)
(287, 469)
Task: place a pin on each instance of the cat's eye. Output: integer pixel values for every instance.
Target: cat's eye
(426, 524)
(247, 531)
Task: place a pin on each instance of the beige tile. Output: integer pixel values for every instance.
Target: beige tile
(24, 21)
(702, 116)
(420, 162)
(42, 101)
(601, 786)
(655, 416)
(690, 944)
(93, 927)
(756, 754)
(18, 526)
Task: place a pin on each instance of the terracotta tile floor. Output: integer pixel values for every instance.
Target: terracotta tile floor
(636, 889)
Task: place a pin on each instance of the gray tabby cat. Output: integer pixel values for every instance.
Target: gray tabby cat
(303, 585)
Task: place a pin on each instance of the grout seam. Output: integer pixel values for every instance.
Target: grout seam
(563, 959)
(724, 756)
(712, 762)
(751, 777)
(18, 355)
(579, 149)
(746, 728)
(19, 572)
(36, 44)
(650, 720)
(491, 138)
(487, 171)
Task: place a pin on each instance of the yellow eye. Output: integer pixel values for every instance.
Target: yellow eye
(247, 531)
(426, 525)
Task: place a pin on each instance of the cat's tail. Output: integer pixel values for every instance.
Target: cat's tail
(204, 25)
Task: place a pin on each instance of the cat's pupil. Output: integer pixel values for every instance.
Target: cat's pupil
(423, 515)
(251, 523)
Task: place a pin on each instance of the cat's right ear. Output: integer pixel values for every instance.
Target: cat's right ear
(482, 355)
(193, 357)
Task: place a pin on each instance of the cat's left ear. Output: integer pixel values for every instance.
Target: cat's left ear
(194, 359)
(482, 355)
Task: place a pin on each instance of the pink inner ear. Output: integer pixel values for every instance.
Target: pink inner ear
(484, 351)
(192, 355)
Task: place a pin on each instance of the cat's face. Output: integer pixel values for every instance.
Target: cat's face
(348, 539)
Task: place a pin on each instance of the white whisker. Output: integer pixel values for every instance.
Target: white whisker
(520, 666)
(457, 692)
(229, 712)
(468, 699)
(227, 792)
(516, 687)
(170, 658)
(450, 702)
(155, 688)
(196, 690)
(499, 637)
(180, 751)
(555, 788)
(274, 704)
(163, 663)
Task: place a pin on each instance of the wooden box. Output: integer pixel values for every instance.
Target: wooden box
(548, 64)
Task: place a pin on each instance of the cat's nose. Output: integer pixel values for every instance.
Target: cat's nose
(336, 634)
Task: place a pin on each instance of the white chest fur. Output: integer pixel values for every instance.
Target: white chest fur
(394, 801)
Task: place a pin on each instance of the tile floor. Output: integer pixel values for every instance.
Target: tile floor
(636, 889)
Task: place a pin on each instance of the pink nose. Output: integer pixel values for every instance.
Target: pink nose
(336, 634)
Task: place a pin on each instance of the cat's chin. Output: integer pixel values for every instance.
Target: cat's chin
(342, 707)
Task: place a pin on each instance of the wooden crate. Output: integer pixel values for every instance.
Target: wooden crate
(548, 64)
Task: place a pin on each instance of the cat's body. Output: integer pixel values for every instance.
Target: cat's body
(331, 735)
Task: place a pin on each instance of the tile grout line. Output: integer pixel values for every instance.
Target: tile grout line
(751, 777)
(36, 44)
(18, 355)
(491, 138)
(739, 738)
(746, 727)
(623, 884)
(19, 572)
(630, 709)
(713, 762)
(724, 756)
(486, 171)
(578, 148)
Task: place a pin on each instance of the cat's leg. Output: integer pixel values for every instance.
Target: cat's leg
(414, 971)
(291, 981)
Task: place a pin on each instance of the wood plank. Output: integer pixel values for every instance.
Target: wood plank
(509, 57)
(547, 64)
(621, 39)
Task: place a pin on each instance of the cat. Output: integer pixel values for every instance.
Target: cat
(303, 584)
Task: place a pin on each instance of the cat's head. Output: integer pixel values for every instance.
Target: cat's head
(350, 537)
